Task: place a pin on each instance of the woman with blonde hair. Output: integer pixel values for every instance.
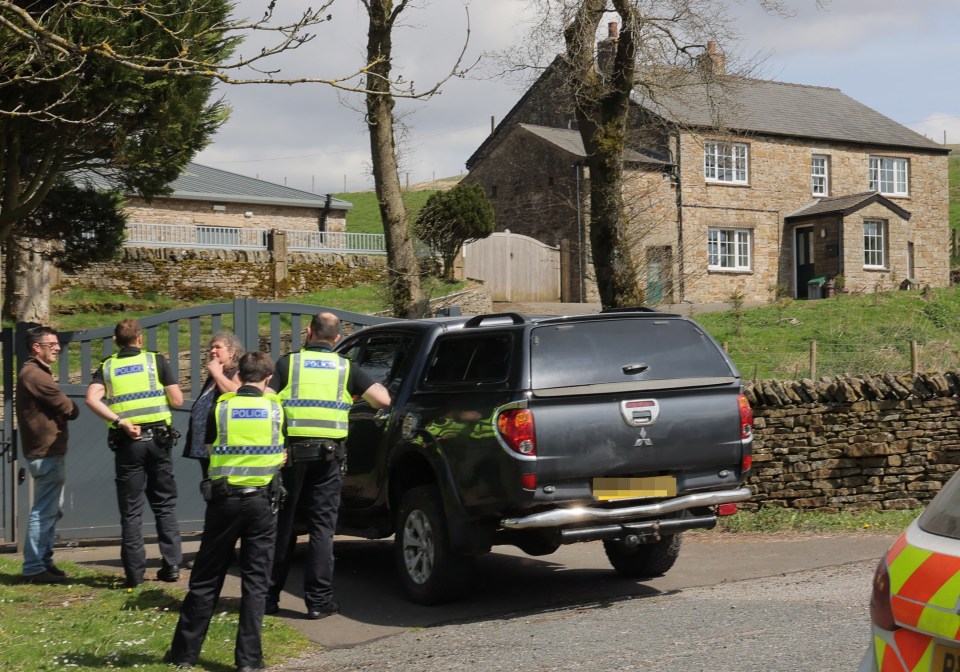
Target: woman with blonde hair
(223, 376)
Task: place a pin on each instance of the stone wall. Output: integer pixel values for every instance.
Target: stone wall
(189, 274)
(854, 443)
(238, 215)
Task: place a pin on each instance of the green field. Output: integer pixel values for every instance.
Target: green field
(364, 216)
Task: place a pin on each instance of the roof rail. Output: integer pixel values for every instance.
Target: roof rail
(516, 318)
(634, 309)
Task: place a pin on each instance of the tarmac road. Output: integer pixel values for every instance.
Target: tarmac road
(758, 598)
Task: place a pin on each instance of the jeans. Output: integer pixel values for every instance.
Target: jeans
(48, 475)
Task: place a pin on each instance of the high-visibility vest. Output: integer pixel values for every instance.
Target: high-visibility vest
(133, 388)
(248, 450)
(316, 401)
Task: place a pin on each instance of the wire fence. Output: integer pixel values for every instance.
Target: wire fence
(818, 360)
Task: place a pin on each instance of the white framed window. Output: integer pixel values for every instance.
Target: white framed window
(725, 162)
(874, 243)
(820, 175)
(728, 249)
(889, 176)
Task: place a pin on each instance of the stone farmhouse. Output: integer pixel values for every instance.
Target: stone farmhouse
(731, 184)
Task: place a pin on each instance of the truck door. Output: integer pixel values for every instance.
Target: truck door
(382, 355)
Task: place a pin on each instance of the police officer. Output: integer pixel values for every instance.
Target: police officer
(317, 387)
(134, 391)
(245, 433)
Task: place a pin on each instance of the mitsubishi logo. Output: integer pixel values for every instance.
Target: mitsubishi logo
(643, 440)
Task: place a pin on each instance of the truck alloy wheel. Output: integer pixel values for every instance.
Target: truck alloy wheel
(430, 571)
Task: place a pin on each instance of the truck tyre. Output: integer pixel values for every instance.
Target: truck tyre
(643, 560)
(430, 571)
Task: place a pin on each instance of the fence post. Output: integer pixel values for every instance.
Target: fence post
(813, 360)
(914, 358)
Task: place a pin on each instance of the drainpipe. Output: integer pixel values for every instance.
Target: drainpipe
(578, 167)
(680, 265)
(327, 206)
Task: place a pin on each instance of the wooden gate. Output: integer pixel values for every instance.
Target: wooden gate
(514, 267)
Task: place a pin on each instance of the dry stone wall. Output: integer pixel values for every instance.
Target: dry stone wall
(189, 274)
(854, 443)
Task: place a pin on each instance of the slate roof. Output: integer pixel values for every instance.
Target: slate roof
(202, 183)
(571, 142)
(844, 205)
(777, 108)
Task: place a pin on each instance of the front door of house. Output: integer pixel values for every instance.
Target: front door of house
(803, 239)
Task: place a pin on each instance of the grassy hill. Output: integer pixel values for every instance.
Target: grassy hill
(364, 217)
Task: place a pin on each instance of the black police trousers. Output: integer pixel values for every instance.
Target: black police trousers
(249, 519)
(144, 467)
(314, 488)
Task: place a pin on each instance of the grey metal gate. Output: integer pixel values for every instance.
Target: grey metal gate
(90, 509)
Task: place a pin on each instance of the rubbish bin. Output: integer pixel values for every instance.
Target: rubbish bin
(829, 289)
(815, 288)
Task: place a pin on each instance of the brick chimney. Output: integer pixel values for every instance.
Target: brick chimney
(607, 49)
(712, 60)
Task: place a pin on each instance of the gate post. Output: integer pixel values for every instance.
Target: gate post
(245, 323)
(8, 445)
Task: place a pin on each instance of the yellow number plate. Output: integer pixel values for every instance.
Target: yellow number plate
(945, 659)
(608, 489)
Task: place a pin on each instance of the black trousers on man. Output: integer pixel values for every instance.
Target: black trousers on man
(145, 467)
(315, 487)
(249, 519)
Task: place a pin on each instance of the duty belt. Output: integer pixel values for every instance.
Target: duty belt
(308, 450)
(246, 491)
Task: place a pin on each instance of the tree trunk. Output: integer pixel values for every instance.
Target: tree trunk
(406, 296)
(27, 283)
(602, 101)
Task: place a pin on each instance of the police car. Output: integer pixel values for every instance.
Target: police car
(915, 604)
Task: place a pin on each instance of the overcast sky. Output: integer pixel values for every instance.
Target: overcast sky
(895, 56)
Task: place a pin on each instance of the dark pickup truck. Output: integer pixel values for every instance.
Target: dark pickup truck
(626, 427)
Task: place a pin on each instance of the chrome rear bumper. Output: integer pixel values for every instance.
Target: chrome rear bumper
(580, 514)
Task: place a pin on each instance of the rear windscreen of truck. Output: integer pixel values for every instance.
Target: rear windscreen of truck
(616, 351)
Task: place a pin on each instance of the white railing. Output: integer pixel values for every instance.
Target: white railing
(236, 238)
(316, 241)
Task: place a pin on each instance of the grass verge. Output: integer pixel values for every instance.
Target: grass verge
(93, 623)
(772, 520)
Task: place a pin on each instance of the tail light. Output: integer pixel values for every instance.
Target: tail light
(726, 509)
(746, 418)
(516, 427)
(881, 613)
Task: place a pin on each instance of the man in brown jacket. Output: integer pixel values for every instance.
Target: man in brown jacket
(42, 414)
